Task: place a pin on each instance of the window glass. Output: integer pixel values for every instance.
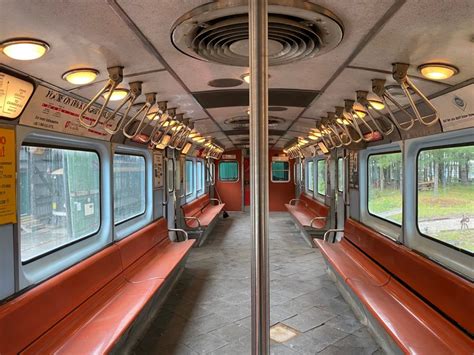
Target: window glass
(129, 186)
(310, 182)
(322, 177)
(340, 174)
(60, 198)
(199, 176)
(280, 171)
(228, 171)
(385, 186)
(446, 195)
(189, 177)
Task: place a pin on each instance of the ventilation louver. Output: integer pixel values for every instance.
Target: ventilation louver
(243, 121)
(218, 32)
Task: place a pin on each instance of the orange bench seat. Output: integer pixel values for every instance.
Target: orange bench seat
(90, 306)
(201, 212)
(412, 323)
(308, 213)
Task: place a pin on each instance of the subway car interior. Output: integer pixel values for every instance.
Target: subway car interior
(236, 177)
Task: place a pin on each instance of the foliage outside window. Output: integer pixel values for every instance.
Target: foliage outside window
(310, 173)
(322, 177)
(385, 186)
(280, 171)
(129, 186)
(340, 174)
(189, 177)
(228, 171)
(446, 195)
(59, 198)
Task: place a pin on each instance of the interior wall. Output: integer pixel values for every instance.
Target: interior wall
(280, 192)
(230, 192)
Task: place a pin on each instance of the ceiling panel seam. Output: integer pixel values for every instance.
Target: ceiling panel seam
(120, 12)
(360, 46)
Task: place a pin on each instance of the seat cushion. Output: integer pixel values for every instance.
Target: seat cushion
(304, 216)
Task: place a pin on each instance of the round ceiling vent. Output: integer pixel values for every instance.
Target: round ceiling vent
(277, 108)
(225, 83)
(218, 32)
(244, 121)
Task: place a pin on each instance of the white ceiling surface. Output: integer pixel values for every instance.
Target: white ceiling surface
(81, 34)
(155, 21)
(425, 31)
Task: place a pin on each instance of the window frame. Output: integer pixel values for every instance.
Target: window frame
(367, 187)
(311, 161)
(289, 172)
(339, 174)
(467, 252)
(219, 171)
(145, 186)
(319, 195)
(202, 179)
(193, 191)
(75, 241)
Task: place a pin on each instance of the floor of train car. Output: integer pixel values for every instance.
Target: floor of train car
(209, 309)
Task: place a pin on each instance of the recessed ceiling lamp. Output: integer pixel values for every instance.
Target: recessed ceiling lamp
(437, 71)
(359, 110)
(117, 94)
(24, 48)
(193, 134)
(80, 76)
(246, 77)
(375, 102)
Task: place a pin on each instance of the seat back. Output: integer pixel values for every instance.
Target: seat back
(137, 244)
(315, 206)
(28, 316)
(447, 291)
(194, 207)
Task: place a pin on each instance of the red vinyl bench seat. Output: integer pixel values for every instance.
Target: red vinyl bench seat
(90, 306)
(309, 213)
(414, 325)
(200, 213)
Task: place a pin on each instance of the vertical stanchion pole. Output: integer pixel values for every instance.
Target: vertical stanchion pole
(258, 30)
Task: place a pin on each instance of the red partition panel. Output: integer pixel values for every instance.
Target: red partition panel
(280, 192)
(230, 192)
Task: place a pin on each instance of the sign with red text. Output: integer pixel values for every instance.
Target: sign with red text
(7, 176)
(54, 111)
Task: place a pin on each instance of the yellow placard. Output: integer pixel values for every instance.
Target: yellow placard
(7, 176)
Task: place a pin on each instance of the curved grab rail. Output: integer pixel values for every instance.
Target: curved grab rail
(144, 111)
(378, 88)
(349, 110)
(362, 99)
(170, 116)
(133, 94)
(115, 78)
(163, 117)
(177, 131)
(400, 75)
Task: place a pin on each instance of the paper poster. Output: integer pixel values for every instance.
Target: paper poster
(456, 108)
(7, 176)
(158, 173)
(54, 111)
(14, 94)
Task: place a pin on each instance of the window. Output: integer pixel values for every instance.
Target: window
(280, 171)
(189, 177)
(199, 177)
(310, 173)
(446, 196)
(340, 174)
(322, 177)
(228, 171)
(129, 187)
(60, 198)
(385, 186)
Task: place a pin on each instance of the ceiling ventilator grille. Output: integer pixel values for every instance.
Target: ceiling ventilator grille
(218, 32)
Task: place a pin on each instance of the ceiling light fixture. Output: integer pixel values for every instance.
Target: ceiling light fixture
(437, 71)
(375, 102)
(80, 76)
(359, 110)
(117, 94)
(246, 77)
(24, 48)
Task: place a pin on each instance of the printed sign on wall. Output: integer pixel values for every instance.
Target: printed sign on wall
(158, 173)
(14, 94)
(49, 109)
(7, 176)
(456, 108)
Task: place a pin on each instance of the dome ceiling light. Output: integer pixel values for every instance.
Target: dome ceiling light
(24, 48)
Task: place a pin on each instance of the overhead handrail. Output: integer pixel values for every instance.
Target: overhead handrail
(349, 109)
(134, 92)
(144, 112)
(400, 74)
(183, 138)
(177, 128)
(343, 123)
(159, 117)
(346, 123)
(339, 129)
(173, 160)
(325, 122)
(378, 88)
(115, 78)
(362, 99)
(171, 114)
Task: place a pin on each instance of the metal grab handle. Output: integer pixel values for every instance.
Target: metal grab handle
(362, 99)
(213, 174)
(171, 113)
(316, 219)
(194, 218)
(341, 115)
(184, 178)
(378, 88)
(348, 110)
(163, 117)
(134, 93)
(297, 200)
(216, 199)
(329, 231)
(333, 121)
(115, 78)
(174, 174)
(178, 130)
(165, 189)
(144, 111)
(186, 237)
(399, 73)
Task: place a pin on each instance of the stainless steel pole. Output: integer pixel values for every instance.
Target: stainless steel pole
(258, 33)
